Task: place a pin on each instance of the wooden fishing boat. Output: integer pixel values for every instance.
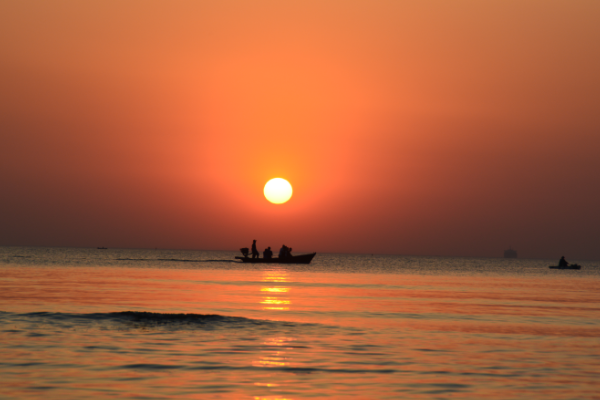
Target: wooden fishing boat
(572, 266)
(301, 259)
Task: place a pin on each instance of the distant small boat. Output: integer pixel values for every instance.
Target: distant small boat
(301, 259)
(102, 248)
(572, 266)
(510, 253)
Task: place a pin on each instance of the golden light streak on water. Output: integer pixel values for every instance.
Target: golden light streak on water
(276, 301)
(279, 341)
(277, 357)
(275, 289)
(276, 274)
(270, 362)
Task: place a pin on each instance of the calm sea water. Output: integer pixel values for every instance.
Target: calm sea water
(155, 324)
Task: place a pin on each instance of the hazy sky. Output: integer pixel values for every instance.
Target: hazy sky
(405, 127)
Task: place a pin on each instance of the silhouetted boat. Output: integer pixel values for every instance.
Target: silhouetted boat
(301, 259)
(101, 248)
(572, 266)
(510, 253)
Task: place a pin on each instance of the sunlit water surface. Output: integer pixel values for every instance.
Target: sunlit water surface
(88, 323)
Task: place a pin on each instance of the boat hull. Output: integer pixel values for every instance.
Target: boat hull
(301, 259)
(574, 266)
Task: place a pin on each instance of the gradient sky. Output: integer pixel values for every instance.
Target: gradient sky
(405, 127)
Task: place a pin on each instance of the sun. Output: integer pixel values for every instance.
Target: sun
(278, 190)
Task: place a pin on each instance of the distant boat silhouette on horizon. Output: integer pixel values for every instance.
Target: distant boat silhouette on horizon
(570, 266)
(300, 259)
(510, 253)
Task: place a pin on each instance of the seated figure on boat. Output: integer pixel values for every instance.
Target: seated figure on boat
(284, 252)
(268, 253)
(563, 262)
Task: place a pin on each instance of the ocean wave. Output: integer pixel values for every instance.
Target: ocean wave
(298, 370)
(142, 319)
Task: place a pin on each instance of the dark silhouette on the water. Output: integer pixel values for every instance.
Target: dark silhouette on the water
(301, 259)
(510, 253)
(285, 251)
(562, 262)
(254, 250)
(285, 256)
(268, 253)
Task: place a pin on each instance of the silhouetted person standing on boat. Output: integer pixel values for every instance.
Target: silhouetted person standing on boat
(563, 262)
(254, 250)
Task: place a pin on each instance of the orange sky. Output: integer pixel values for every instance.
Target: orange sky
(425, 127)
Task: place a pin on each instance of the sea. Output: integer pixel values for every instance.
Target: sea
(87, 323)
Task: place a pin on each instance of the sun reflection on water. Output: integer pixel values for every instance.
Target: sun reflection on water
(274, 299)
(275, 353)
(275, 289)
(266, 384)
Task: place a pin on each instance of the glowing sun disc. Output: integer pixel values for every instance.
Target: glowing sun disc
(278, 191)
